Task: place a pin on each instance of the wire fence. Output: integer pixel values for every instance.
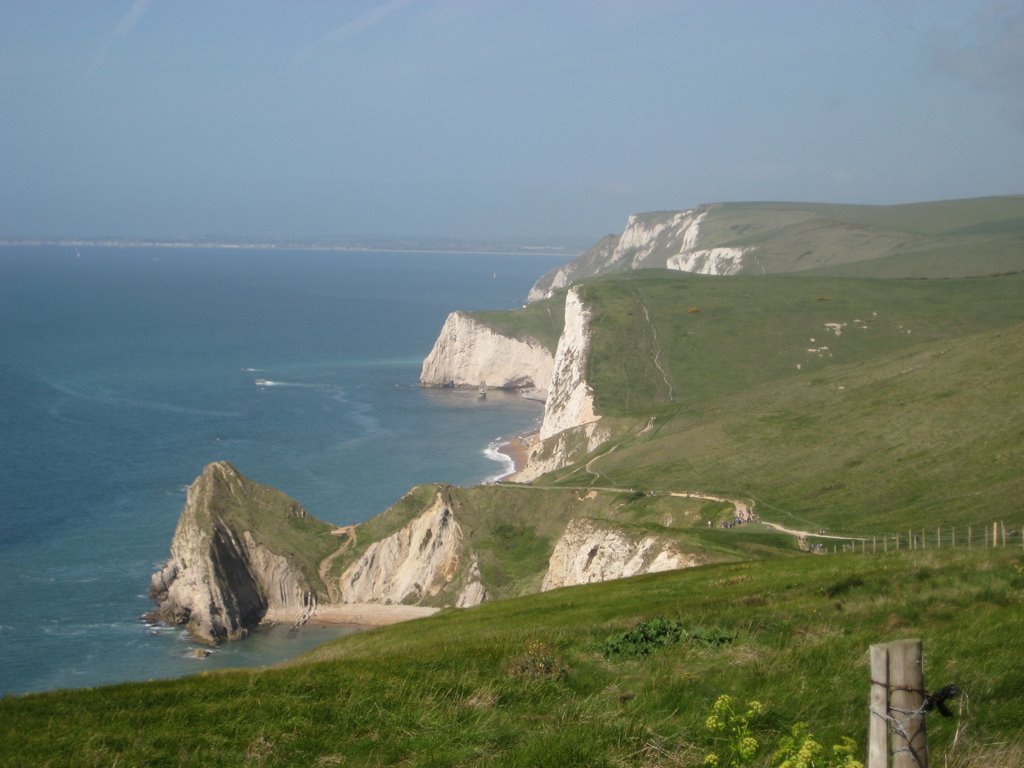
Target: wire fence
(984, 536)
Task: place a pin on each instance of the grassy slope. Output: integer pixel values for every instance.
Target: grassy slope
(911, 416)
(938, 239)
(542, 320)
(930, 436)
(717, 336)
(949, 238)
(457, 689)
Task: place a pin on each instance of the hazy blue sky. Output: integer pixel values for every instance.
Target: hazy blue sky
(477, 118)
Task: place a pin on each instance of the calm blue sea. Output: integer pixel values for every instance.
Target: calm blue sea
(123, 372)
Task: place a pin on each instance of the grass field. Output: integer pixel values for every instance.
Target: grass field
(524, 682)
(948, 238)
(858, 405)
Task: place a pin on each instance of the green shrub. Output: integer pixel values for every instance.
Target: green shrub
(653, 634)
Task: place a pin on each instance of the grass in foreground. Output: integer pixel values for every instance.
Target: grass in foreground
(525, 683)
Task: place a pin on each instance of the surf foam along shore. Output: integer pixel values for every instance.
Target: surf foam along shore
(512, 454)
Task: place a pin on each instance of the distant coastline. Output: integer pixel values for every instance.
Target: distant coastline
(411, 245)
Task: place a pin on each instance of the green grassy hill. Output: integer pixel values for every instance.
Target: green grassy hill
(862, 405)
(948, 238)
(527, 682)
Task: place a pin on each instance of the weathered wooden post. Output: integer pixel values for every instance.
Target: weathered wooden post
(906, 701)
(878, 727)
(897, 706)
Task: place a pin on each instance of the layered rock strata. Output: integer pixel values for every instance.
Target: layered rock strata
(591, 551)
(220, 581)
(416, 562)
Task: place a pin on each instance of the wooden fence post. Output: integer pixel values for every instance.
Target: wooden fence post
(896, 706)
(906, 699)
(878, 726)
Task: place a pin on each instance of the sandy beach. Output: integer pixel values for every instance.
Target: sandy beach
(369, 615)
(365, 615)
(518, 449)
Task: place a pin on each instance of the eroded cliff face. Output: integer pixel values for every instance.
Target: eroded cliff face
(219, 581)
(669, 239)
(468, 353)
(570, 400)
(414, 563)
(591, 551)
(599, 259)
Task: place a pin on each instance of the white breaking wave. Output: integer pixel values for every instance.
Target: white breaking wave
(507, 464)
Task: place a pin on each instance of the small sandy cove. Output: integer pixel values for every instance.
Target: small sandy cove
(518, 449)
(367, 615)
(350, 614)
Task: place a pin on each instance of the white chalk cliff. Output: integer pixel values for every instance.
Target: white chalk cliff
(669, 239)
(570, 400)
(467, 353)
(591, 551)
(417, 561)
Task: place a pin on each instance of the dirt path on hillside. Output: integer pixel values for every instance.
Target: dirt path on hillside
(657, 346)
(349, 531)
(743, 508)
(811, 534)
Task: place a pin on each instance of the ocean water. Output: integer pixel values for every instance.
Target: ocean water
(123, 372)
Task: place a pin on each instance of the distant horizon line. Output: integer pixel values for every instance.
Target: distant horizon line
(511, 246)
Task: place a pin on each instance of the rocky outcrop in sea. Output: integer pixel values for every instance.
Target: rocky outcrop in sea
(220, 579)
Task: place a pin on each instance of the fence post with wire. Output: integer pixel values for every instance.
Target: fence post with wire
(897, 706)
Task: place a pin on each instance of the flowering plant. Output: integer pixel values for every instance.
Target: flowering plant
(730, 727)
(801, 750)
